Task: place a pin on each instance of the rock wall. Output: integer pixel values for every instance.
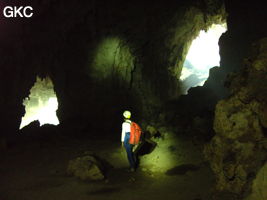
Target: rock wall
(238, 150)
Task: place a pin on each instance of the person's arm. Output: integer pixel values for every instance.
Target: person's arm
(122, 134)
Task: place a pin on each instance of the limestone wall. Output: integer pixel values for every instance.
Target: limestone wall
(238, 150)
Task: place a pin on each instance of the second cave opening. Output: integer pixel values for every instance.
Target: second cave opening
(41, 104)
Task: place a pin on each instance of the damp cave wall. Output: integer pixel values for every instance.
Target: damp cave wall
(62, 39)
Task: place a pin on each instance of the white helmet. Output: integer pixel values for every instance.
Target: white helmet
(127, 114)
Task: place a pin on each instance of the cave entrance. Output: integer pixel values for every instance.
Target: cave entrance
(41, 104)
(203, 54)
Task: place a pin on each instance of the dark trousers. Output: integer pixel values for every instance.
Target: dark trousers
(129, 150)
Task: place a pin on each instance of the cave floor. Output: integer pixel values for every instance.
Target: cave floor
(37, 171)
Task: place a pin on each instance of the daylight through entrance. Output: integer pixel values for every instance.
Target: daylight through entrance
(41, 104)
(202, 55)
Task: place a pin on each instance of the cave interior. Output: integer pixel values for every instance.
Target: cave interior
(69, 72)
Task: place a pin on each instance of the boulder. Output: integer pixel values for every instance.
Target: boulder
(152, 130)
(85, 168)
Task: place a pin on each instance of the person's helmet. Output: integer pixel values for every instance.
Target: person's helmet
(127, 114)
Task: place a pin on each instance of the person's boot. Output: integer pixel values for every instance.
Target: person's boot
(131, 169)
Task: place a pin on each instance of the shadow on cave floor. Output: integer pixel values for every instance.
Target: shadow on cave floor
(182, 169)
(35, 169)
(107, 190)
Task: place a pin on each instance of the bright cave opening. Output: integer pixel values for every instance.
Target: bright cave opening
(203, 54)
(41, 104)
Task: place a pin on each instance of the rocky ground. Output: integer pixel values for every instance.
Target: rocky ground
(36, 169)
